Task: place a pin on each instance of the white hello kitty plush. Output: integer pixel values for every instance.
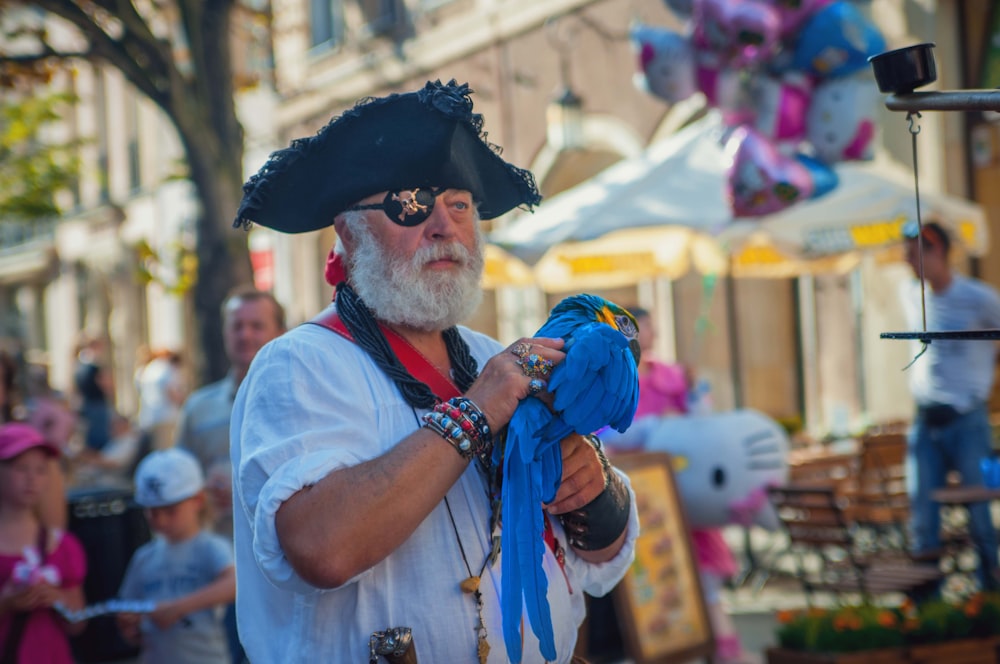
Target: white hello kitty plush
(723, 464)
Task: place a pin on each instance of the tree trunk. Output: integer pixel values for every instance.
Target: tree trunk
(205, 116)
(223, 254)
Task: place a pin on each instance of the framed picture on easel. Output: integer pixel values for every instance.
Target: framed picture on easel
(659, 603)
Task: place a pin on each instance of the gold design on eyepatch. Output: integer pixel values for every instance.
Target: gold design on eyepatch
(408, 204)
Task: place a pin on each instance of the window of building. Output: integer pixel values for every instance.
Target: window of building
(326, 23)
(72, 120)
(382, 17)
(132, 138)
(103, 145)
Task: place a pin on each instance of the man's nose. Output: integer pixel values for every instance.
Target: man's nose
(440, 223)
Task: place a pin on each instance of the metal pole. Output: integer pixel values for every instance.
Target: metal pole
(948, 100)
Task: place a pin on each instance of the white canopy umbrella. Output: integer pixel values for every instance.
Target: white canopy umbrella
(666, 210)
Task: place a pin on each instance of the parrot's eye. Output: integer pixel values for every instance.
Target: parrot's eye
(627, 326)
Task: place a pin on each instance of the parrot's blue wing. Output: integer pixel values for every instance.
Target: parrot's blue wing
(532, 470)
(530, 555)
(510, 567)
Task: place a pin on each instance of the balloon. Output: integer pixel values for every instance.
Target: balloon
(761, 180)
(680, 7)
(743, 32)
(781, 105)
(723, 463)
(666, 63)
(723, 88)
(837, 40)
(823, 177)
(840, 123)
(793, 13)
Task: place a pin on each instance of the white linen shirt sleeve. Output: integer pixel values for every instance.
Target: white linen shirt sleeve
(298, 416)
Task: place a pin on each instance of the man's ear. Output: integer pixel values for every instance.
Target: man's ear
(343, 233)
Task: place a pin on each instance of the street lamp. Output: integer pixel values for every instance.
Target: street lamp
(564, 114)
(564, 120)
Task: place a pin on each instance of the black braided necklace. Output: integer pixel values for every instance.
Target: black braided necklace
(361, 323)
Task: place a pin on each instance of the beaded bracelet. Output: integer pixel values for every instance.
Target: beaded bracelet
(471, 411)
(460, 422)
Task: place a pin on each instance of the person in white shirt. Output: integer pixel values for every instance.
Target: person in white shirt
(950, 382)
(354, 515)
(161, 388)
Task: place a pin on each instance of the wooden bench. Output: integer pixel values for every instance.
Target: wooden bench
(817, 522)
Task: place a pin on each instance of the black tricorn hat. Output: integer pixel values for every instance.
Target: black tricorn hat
(427, 138)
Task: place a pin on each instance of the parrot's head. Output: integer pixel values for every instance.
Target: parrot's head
(604, 311)
(623, 321)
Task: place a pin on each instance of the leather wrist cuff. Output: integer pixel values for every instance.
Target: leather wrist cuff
(600, 522)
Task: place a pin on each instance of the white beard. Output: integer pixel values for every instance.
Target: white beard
(399, 291)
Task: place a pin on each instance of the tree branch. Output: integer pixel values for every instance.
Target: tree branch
(102, 46)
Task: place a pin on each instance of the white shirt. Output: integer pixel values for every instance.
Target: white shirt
(155, 382)
(314, 402)
(954, 372)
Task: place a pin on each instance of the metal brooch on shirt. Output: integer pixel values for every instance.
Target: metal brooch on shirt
(395, 644)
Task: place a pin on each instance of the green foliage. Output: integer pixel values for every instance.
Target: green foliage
(847, 629)
(175, 268)
(32, 170)
(868, 627)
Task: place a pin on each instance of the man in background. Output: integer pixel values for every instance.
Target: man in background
(951, 382)
(250, 318)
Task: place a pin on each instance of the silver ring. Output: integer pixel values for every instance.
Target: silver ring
(522, 350)
(536, 385)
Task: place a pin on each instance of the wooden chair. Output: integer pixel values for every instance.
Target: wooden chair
(880, 505)
(812, 466)
(822, 536)
(820, 467)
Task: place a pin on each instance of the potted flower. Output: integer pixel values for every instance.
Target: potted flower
(934, 631)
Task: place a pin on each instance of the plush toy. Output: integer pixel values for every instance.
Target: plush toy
(840, 123)
(723, 464)
(666, 63)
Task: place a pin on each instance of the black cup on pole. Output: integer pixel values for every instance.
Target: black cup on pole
(903, 70)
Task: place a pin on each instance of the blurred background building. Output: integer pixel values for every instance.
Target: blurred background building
(553, 79)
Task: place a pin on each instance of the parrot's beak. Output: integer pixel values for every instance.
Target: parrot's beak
(633, 346)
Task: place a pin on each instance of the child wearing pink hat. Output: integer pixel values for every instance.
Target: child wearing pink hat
(39, 567)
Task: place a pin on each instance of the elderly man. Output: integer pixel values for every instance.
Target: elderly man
(358, 513)
(950, 383)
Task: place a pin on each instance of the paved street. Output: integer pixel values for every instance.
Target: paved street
(753, 611)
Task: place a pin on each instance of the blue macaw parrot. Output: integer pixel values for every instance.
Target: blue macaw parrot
(596, 385)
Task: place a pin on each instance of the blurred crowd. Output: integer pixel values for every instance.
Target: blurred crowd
(167, 463)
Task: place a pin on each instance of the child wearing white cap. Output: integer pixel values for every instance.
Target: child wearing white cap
(187, 570)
